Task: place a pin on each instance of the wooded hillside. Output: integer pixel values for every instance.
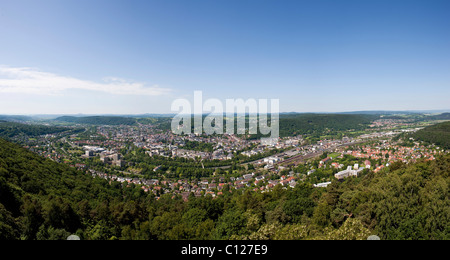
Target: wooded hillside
(437, 134)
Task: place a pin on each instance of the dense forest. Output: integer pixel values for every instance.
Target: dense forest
(41, 199)
(419, 117)
(15, 118)
(9, 129)
(437, 134)
(444, 116)
(98, 120)
(317, 124)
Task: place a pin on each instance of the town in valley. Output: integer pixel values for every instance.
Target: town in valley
(148, 156)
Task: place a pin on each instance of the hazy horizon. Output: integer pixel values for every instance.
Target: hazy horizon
(438, 111)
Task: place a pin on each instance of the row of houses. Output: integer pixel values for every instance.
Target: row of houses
(214, 187)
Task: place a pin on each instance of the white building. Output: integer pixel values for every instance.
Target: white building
(348, 173)
(271, 160)
(322, 185)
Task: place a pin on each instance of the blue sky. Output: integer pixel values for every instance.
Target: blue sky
(129, 57)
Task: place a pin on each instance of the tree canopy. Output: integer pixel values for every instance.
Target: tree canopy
(437, 134)
(98, 120)
(10, 129)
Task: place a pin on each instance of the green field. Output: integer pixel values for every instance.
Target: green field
(334, 155)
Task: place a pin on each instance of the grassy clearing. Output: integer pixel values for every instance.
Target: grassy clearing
(334, 155)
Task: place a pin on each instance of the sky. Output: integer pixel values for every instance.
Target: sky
(136, 57)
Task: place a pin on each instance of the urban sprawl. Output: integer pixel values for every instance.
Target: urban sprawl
(102, 151)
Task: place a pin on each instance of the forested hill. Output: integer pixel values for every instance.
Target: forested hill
(437, 134)
(14, 118)
(41, 199)
(98, 120)
(10, 130)
(299, 124)
(444, 116)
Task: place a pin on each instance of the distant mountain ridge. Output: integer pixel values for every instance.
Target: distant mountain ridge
(98, 120)
(13, 129)
(32, 117)
(15, 118)
(380, 112)
(444, 116)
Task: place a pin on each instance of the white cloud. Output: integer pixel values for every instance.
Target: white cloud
(33, 81)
